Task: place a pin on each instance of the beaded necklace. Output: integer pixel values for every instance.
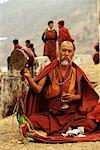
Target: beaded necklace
(61, 83)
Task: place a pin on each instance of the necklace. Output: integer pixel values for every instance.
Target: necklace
(61, 83)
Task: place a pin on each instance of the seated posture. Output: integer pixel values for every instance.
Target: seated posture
(60, 97)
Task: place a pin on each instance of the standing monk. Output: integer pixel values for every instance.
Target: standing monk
(64, 34)
(49, 38)
(60, 97)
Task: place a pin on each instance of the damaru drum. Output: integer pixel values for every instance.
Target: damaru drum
(20, 58)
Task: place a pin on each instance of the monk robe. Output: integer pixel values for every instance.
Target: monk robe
(64, 35)
(49, 38)
(17, 46)
(95, 114)
(45, 111)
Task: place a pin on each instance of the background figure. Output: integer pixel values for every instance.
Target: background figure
(49, 38)
(16, 44)
(96, 57)
(33, 50)
(63, 33)
(31, 47)
(27, 43)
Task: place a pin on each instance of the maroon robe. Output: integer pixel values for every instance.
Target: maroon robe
(50, 37)
(64, 35)
(46, 114)
(17, 46)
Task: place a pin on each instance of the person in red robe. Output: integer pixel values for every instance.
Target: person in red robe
(16, 44)
(61, 96)
(49, 38)
(64, 34)
(27, 43)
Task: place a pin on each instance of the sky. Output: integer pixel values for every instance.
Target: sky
(3, 1)
(74, 22)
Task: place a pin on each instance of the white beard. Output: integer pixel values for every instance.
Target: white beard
(64, 62)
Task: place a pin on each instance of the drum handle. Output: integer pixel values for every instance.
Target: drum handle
(23, 79)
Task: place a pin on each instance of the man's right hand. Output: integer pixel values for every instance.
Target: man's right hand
(27, 73)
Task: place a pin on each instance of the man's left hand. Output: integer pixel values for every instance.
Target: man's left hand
(68, 97)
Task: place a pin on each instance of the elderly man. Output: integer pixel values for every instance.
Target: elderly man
(60, 97)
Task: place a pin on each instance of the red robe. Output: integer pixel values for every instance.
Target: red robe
(46, 114)
(64, 35)
(49, 37)
(17, 46)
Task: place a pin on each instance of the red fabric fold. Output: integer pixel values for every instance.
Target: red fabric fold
(37, 108)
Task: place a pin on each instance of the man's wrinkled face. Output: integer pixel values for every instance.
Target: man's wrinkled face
(66, 52)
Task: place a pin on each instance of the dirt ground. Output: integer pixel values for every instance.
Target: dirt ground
(10, 137)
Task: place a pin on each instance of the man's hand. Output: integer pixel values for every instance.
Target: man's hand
(68, 97)
(37, 87)
(26, 73)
